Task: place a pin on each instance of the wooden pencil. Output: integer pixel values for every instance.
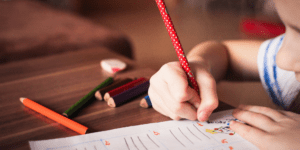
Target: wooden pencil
(123, 88)
(86, 98)
(54, 116)
(176, 43)
(128, 95)
(100, 93)
(146, 102)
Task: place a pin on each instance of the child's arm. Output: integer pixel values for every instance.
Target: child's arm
(171, 94)
(237, 57)
(270, 129)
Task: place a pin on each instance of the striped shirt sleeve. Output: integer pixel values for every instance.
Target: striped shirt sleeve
(281, 85)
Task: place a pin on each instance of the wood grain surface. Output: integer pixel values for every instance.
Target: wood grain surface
(57, 82)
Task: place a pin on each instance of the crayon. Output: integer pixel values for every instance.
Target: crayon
(86, 98)
(100, 93)
(123, 88)
(128, 95)
(54, 116)
(146, 102)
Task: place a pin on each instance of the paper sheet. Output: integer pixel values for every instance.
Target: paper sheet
(168, 135)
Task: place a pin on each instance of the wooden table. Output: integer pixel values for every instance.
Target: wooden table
(57, 82)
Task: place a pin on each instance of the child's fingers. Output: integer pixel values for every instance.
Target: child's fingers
(183, 109)
(257, 120)
(273, 114)
(208, 95)
(291, 115)
(193, 98)
(249, 133)
(157, 103)
(179, 92)
(177, 81)
(164, 103)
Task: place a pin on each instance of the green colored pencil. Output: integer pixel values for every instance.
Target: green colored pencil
(87, 97)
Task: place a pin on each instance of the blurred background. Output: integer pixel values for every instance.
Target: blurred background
(195, 21)
(138, 21)
(135, 29)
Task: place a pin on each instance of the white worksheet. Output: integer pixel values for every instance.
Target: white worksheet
(169, 135)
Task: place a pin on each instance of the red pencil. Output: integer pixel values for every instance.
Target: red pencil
(128, 95)
(123, 88)
(176, 43)
(119, 82)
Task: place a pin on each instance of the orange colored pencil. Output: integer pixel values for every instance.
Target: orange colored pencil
(54, 116)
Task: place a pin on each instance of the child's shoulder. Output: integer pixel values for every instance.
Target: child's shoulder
(272, 45)
(269, 49)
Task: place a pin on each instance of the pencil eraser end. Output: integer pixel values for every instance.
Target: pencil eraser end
(113, 65)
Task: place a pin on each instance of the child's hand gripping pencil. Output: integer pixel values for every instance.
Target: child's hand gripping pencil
(171, 93)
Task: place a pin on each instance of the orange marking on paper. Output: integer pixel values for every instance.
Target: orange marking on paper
(230, 147)
(224, 141)
(156, 133)
(199, 124)
(107, 143)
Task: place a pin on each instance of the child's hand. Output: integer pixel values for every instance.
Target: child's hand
(270, 129)
(172, 96)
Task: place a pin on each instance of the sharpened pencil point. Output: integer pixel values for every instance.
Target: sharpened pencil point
(111, 102)
(64, 114)
(98, 96)
(106, 97)
(146, 102)
(143, 103)
(22, 99)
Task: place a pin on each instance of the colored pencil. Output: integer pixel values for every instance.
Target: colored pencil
(123, 88)
(100, 93)
(86, 98)
(176, 43)
(54, 116)
(128, 95)
(146, 102)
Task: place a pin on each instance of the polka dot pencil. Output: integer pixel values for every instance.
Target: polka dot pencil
(128, 95)
(176, 43)
(100, 93)
(123, 88)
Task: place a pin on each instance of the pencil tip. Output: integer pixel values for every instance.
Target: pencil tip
(143, 103)
(66, 115)
(106, 97)
(98, 96)
(111, 103)
(22, 99)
